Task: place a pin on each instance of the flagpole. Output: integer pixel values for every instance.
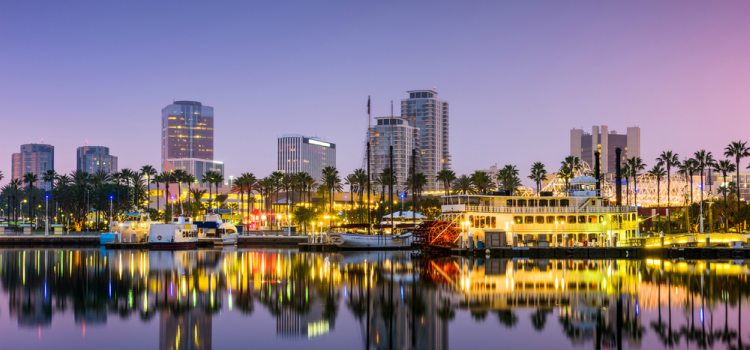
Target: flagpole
(369, 189)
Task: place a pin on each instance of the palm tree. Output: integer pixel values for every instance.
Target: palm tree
(249, 183)
(360, 176)
(508, 178)
(704, 159)
(636, 166)
(568, 169)
(462, 185)
(332, 183)
(738, 150)
(351, 181)
(212, 177)
(446, 176)
(157, 179)
(180, 176)
(669, 159)
(167, 178)
(724, 167)
(189, 179)
(658, 173)
(417, 183)
(29, 179)
(481, 182)
(538, 174)
(197, 195)
(149, 172)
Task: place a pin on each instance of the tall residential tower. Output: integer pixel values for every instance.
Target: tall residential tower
(429, 115)
(33, 158)
(396, 132)
(93, 159)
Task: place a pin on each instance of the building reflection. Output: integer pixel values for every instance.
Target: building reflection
(398, 301)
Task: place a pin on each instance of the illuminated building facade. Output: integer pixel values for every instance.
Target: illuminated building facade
(33, 158)
(297, 153)
(196, 167)
(93, 159)
(584, 145)
(396, 132)
(187, 131)
(429, 114)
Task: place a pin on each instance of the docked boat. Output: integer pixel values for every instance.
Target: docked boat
(577, 218)
(181, 233)
(376, 241)
(212, 229)
(134, 228)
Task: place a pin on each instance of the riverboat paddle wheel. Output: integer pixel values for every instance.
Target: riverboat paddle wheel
(437, 233)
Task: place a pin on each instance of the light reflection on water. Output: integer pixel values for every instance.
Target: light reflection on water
(90, 298)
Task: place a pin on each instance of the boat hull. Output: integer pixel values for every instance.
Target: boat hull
(350, 240)
(172, 245)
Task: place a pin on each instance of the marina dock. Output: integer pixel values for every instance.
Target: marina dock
(604, 253)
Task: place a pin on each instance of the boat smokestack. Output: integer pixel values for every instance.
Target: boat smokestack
(618, 175)
(597, 173)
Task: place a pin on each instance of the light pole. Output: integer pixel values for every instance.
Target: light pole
(111, 198)
(46, 214)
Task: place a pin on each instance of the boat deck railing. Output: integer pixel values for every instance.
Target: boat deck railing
(459, 208)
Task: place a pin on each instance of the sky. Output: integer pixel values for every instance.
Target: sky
(518, 75)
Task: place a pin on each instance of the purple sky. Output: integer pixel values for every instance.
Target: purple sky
(518, 75)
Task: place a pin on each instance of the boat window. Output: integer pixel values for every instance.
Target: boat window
(532, 202)
(509, 203)
(564, 202)
(581, 219)
(571, 219)
(529, 220)
(518, 219)
(521, 202)
(494, 222)
(601, 219)
(542, 202)
(540, 219)
(550, 219)
(560, 219)
(592, 219)
(552, 203)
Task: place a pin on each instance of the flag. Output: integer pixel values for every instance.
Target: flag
(368, 105)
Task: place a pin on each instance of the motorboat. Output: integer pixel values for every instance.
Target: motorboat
(134, 228)
(181, 233)
(213, 229)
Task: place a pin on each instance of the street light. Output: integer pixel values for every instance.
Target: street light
(46, 214)
(111, 198)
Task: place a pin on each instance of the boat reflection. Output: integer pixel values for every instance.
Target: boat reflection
(398, 301)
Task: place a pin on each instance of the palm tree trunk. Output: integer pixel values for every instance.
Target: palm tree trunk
(669, 193)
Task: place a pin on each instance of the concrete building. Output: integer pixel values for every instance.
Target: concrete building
(195, 167)
(297, 153)
(717, 181)
(33, 158)
(92, 159)
(584, 145)
(429, 115)
(396, 132)
(187, 131)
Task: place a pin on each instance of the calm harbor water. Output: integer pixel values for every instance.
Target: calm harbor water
(282, 299)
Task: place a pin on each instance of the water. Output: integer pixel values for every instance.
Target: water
(281, 299)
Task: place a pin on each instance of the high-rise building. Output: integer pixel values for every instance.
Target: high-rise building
(33, 158)
(584, 145)
(187, 131)
(429, 115)
(297, 153)
(396, 132)
(93, 159)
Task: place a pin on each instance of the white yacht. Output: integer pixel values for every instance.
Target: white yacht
(181, 233)
(212, 229)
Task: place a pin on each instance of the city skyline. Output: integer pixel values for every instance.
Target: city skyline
(681, 75)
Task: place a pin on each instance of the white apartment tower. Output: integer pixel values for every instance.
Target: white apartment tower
(429, 114)
(396, 132)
